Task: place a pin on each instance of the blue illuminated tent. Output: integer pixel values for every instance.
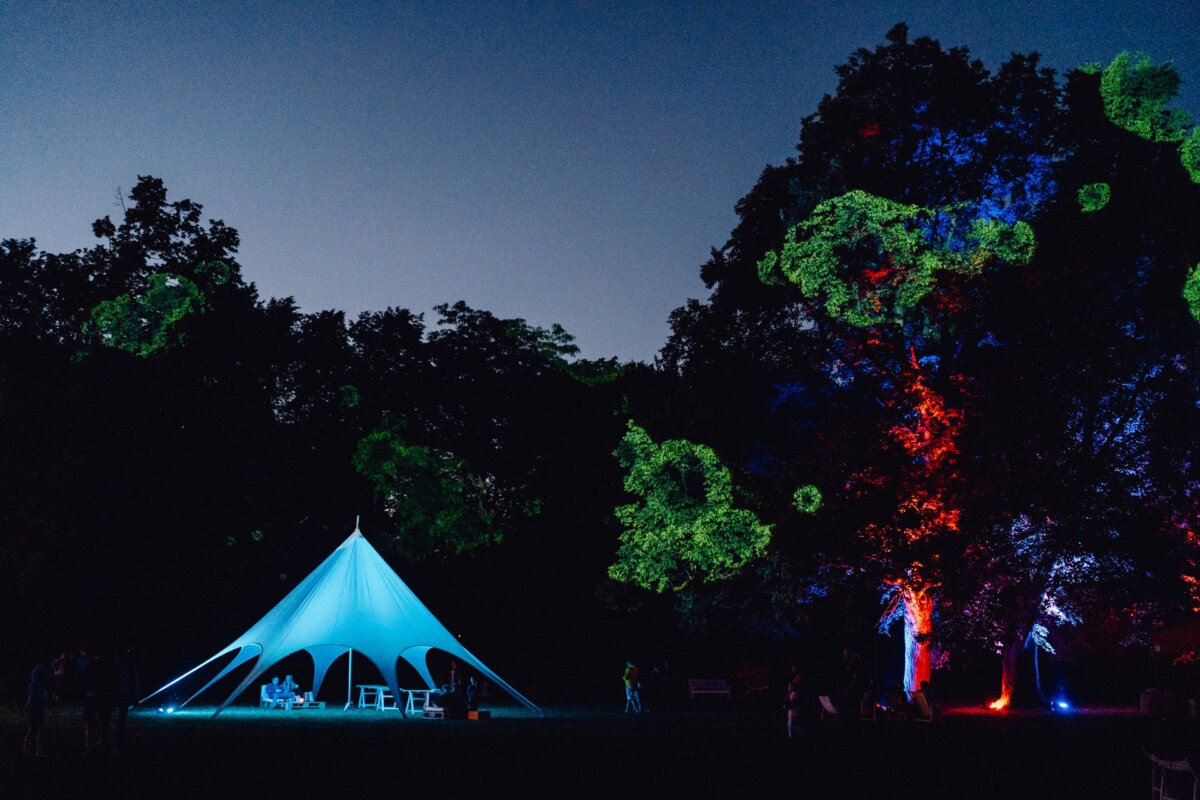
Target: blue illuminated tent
(352, 602)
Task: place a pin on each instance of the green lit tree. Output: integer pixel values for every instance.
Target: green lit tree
(148, 322)
(683, 528)
(437, 507)
(1136, 92)
(870, 260)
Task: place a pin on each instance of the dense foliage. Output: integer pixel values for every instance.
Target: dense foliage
(947, 374)
(986, 362)
(168, 435)
(684, 526)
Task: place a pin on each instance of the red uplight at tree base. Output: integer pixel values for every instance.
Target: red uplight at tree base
(1001, 703)
(918, 627)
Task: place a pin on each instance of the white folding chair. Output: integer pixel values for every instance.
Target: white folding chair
(921, 702)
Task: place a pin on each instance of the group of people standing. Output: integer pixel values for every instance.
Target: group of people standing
(455, 697)
(102, 684)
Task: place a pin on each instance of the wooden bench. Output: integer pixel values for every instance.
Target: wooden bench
(708, 686)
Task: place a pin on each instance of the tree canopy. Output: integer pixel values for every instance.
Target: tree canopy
(947, 374)
(977, 341)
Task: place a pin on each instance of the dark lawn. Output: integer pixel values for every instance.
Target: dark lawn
(705, 749)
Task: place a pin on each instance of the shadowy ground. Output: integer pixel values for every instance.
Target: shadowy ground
(704, 749)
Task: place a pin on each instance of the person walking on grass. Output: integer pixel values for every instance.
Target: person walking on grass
(35, 710)
(792, 705)
(633, 688)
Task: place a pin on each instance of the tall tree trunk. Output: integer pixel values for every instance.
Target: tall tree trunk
(1037, 673)
(1009, 661)
(918, 627)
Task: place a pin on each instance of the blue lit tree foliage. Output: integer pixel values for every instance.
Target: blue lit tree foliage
(1069, 366)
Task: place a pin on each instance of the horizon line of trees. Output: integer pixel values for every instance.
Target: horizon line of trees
(947, 376)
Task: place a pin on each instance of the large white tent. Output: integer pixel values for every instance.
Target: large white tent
(352, 603)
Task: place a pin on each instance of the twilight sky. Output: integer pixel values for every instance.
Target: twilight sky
(561, 162)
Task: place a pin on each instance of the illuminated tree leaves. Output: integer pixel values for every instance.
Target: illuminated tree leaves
(1135, 94)
(684, 527)
(1189, 154)
(1191, 292)
(872, 261)
(1093, 196)
(435, 504)
(144, 323)
(807, 499)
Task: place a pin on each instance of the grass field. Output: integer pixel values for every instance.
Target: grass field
(705, 749)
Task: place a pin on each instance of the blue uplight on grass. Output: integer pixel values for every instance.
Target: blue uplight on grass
(1062, 705)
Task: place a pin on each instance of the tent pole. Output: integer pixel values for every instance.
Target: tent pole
(349, 678)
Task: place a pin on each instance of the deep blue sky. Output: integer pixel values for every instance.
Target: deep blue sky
(566, 163)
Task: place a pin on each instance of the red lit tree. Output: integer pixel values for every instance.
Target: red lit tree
(890, 275)
(1012, 441)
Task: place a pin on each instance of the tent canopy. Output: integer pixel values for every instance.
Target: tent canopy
(352, 601)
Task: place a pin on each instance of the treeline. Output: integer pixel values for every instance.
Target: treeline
(946, 383)
(178, 452)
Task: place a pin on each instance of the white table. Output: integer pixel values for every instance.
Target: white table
(410, 704)
(376, 696)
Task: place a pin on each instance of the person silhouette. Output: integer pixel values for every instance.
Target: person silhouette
(35, 710)
(791, 704)
(633, 688)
